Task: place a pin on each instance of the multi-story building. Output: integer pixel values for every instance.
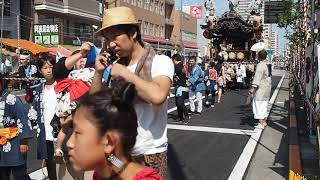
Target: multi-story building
(161, 25)
(76, 20)
(72, 22)
(10, 18)
(275, 43)
(244, 11)
(185, 33)
(243, 8)
(267, 33)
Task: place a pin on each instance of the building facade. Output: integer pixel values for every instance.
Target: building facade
(76, 19)
(10, 26)
(72, 22)
(267, 34)
(275, 43)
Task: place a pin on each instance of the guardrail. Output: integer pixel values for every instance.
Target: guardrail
(295, 165)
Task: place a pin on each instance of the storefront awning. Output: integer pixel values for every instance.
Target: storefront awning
(191, 45)
(24, 44)
(151, 39)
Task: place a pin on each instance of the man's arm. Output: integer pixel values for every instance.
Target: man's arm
(154, 91)
(96, 84)
(72, 60)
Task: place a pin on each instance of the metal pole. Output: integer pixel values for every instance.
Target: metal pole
(1, 27)
(181, 16)
(312, 26)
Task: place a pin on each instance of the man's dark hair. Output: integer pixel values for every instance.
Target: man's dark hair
(193, 57)
(262, 55)
(129, 29)
(176, 57)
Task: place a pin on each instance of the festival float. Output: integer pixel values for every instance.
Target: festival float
(231, 35)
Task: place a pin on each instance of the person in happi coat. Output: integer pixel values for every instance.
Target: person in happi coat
(197, 86)
(42, 113)
(261, 89)
(15, 130)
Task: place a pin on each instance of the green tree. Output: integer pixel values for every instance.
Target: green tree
(292, 12)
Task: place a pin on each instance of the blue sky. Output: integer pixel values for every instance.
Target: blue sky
(221, 7)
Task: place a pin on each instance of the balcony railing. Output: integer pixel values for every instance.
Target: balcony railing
(169, 2)
(88, 9)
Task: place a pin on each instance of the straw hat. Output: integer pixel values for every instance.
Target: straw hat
(117, 16)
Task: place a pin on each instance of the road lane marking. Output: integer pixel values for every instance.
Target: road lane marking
(39, 174)
(187, 103)
(246, 155)
(277, 123)
(210, 129)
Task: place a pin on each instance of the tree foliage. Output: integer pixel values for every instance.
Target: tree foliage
(288, 18)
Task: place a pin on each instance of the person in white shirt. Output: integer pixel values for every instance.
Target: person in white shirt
(152, 76)
(42, 112)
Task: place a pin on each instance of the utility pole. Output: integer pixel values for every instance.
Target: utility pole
(18, 30)
(1, 27)
(312, 25)
(181, 18)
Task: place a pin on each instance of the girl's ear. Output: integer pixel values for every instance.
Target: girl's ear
(110, 141)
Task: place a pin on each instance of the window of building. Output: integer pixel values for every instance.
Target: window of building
(139, 3)
(7, 6)
(156, 7)
(161, 8)
(134, 2)
(156, 30)
(151, 29)
(146, 4)
(82, 30)
(142, 27)
(151, 5)
(161, 31)
(145, 28)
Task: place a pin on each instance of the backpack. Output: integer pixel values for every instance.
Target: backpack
(212, 74)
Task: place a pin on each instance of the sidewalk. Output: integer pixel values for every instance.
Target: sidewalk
(270, 160)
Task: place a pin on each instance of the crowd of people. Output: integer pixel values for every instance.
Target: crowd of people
(115, 126)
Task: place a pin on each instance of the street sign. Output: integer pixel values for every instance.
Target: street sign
(47, 34)
(271, 10)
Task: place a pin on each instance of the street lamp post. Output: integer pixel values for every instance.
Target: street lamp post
(2, 3)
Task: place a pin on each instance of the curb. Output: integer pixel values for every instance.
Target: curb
(295, 165)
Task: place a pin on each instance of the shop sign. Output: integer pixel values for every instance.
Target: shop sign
(47, 34)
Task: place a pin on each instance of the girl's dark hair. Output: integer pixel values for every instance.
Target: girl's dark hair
(112, 109)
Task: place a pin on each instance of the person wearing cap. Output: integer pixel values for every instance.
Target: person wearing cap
(152, 76)
(27, 69)
(261, 89)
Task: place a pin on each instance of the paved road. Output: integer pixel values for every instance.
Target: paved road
(213, 146)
